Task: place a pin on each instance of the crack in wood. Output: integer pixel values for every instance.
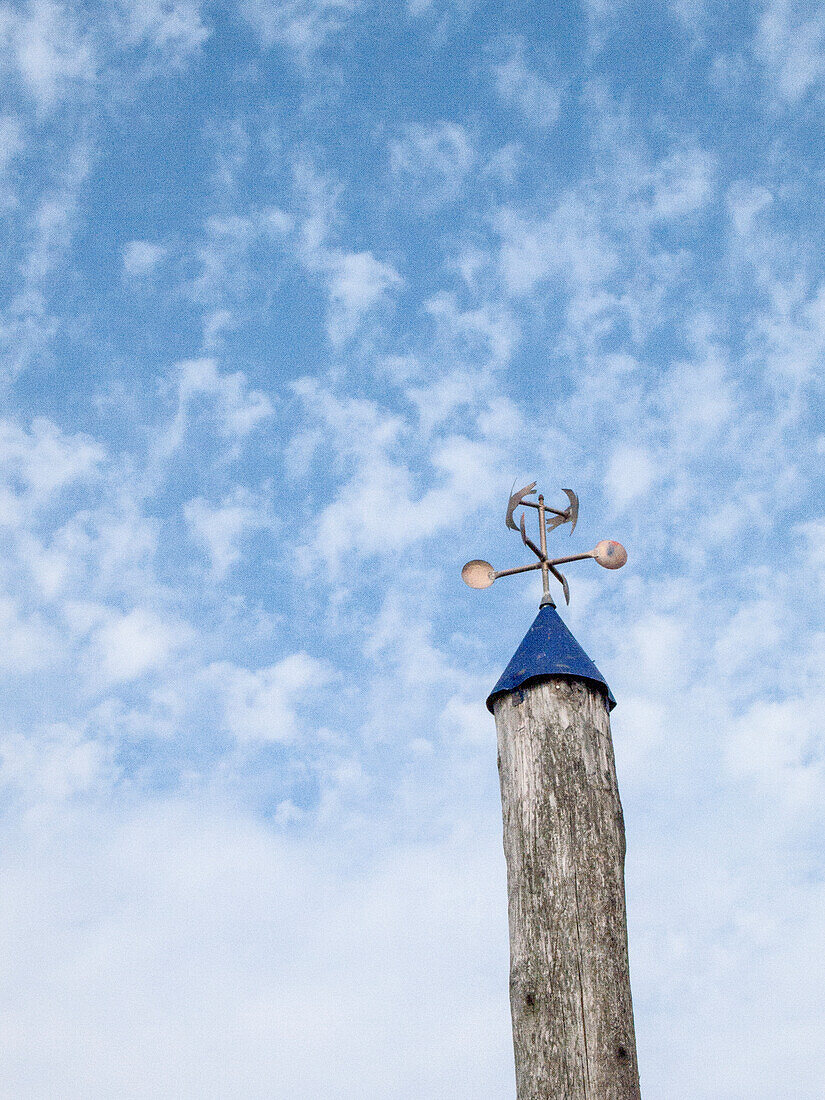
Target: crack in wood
(579, 964)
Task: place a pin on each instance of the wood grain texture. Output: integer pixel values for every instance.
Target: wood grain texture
(564, 842)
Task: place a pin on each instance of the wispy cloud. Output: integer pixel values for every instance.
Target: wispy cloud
(173, 29)
(47, 48)
(433, 161)
(261, 705)
(142, 257)
(220, 528)
(521, 87)
(791, 44)
(28, 325)
(356, 281)
(302, 26)
(236, 408)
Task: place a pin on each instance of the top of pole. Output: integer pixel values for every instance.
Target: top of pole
(548, 652)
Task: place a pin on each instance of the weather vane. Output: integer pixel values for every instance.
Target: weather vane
(610, 554)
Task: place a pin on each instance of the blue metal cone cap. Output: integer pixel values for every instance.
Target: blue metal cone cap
(548, 651)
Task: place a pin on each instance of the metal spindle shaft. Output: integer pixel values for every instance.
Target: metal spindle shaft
(545, 571)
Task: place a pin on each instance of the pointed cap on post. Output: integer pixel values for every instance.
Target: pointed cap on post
(549, 651)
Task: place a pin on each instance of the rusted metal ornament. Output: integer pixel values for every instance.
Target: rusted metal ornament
(573, 510)
(610, 554)
(478, 574)
(561, 577)
(515, 500)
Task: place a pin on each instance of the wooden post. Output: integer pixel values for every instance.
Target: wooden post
(564, 844)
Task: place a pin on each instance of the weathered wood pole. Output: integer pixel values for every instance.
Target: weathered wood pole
(564, 843)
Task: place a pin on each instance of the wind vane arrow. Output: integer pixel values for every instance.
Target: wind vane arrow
(608, 553)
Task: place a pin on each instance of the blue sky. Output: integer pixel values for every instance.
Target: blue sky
(290, 293)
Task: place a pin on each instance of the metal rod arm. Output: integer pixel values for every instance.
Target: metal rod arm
(571, 557)
(532, 504)
(529, 542)
(518, 569)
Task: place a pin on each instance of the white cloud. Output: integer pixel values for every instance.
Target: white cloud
(793, 330)
(694, 949)
(11, 144)
(745, 203)
(174, 28)
(357, 282)
(698, 404)
(778, 746)
(787, 328)
(535, 97)
(629, 476)
(682, 183)
(142, 257)
(749, 637)
(380, 508)
(641, 734)
(221, 528)
(443, 11)
(107, 547)
(227, 273)
(129, 645)
(790, 42)
(440, 401)
(216, 322)
(813, 531)
(490, 331)
(29, 644)
(249, 965)
(52, 235)
(657, 646)
(433, 161)
(302, 26)
(605, 16)
(236, 408)
(223, 258)
(44, 459)
(52, 765)
(263, 705)
(42, 42)
(569, 245)
(504, 163)
(468, 721)
(690, 13)
(28, 326)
